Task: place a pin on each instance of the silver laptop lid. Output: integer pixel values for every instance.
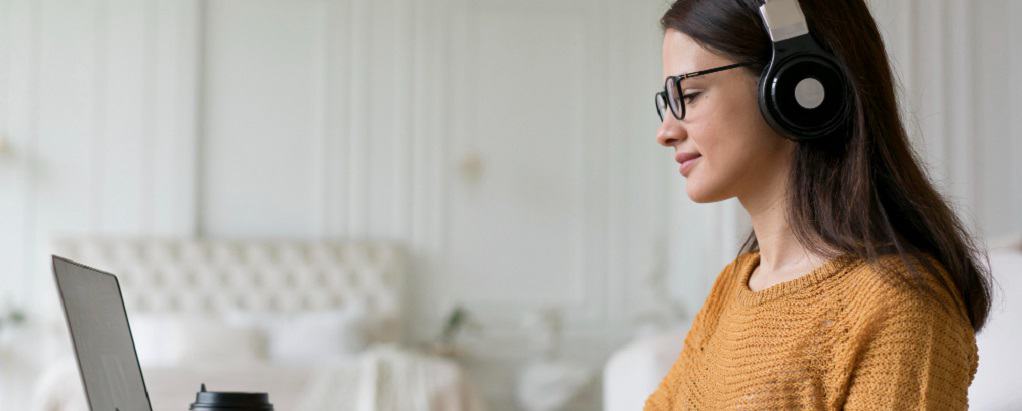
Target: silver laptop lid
(101, 337)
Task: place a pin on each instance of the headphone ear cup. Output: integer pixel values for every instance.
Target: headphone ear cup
(804, 97)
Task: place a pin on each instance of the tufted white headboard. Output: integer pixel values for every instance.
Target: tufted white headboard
(179, 275)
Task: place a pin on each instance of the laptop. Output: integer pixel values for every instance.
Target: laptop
(107, 361)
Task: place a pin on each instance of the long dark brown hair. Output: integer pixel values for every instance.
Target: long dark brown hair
(863, 193)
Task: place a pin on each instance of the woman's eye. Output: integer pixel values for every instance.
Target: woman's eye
(691, 96)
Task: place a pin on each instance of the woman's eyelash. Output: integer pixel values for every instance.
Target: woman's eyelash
(691, 96)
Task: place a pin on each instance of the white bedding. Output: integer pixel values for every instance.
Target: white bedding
(997, 381)
(314, 305)
(384, 378)
(390, 379)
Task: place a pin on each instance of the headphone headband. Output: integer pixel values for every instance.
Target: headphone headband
(784, 19)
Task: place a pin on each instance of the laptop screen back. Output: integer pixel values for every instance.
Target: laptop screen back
(102, 340)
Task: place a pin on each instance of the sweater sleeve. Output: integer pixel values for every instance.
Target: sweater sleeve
(664, 397)
(920, 355)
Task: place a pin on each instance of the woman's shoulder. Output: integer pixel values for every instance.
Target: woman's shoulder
(906, 341)
(912, 285)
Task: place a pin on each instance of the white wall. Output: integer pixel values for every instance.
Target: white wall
(510, 144)
(958, 63)
(358, 118)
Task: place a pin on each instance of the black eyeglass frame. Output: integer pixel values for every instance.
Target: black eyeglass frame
(677, 85)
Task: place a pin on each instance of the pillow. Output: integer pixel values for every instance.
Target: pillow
(154, 336)
(166, 340)
(307, 338)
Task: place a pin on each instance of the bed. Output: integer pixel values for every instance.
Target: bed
(316, 324)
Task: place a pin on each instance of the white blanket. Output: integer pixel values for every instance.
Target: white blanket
(390, 379)
(384, 378)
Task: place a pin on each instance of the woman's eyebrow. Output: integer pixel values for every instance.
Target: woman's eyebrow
(693, 82)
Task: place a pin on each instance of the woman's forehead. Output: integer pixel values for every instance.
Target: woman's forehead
(682, 54)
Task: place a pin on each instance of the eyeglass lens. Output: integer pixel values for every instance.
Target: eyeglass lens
(674, 98)
(661, 105)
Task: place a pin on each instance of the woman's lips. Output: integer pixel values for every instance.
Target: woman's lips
(687, 161)
(687, 166)
(682, 157)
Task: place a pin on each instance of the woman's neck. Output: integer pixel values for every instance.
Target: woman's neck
(779, 249)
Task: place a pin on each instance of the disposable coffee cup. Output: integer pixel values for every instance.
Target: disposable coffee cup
(230, 401)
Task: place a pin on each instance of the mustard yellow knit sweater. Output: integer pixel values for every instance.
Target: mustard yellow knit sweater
(847, 335)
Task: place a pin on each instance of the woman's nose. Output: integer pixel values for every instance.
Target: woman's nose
(670, 132)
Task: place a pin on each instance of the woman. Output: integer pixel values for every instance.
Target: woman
(858, 288)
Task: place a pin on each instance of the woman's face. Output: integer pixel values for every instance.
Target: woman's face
(740, 154)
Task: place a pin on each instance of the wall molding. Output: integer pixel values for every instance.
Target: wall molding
(395, 106)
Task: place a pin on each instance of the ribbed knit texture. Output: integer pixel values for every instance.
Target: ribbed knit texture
(847, 335)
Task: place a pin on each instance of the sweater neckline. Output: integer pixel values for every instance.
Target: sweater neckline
(747, 296)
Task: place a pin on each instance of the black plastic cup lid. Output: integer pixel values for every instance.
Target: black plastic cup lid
(205, 400)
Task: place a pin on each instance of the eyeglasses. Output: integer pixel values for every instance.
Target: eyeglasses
(671, 95)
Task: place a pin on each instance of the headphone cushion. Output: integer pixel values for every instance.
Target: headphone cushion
(804, 96)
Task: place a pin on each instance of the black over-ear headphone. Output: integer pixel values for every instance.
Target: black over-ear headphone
(803, 91)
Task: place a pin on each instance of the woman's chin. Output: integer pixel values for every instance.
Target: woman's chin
(699, 194)
(694, 193)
